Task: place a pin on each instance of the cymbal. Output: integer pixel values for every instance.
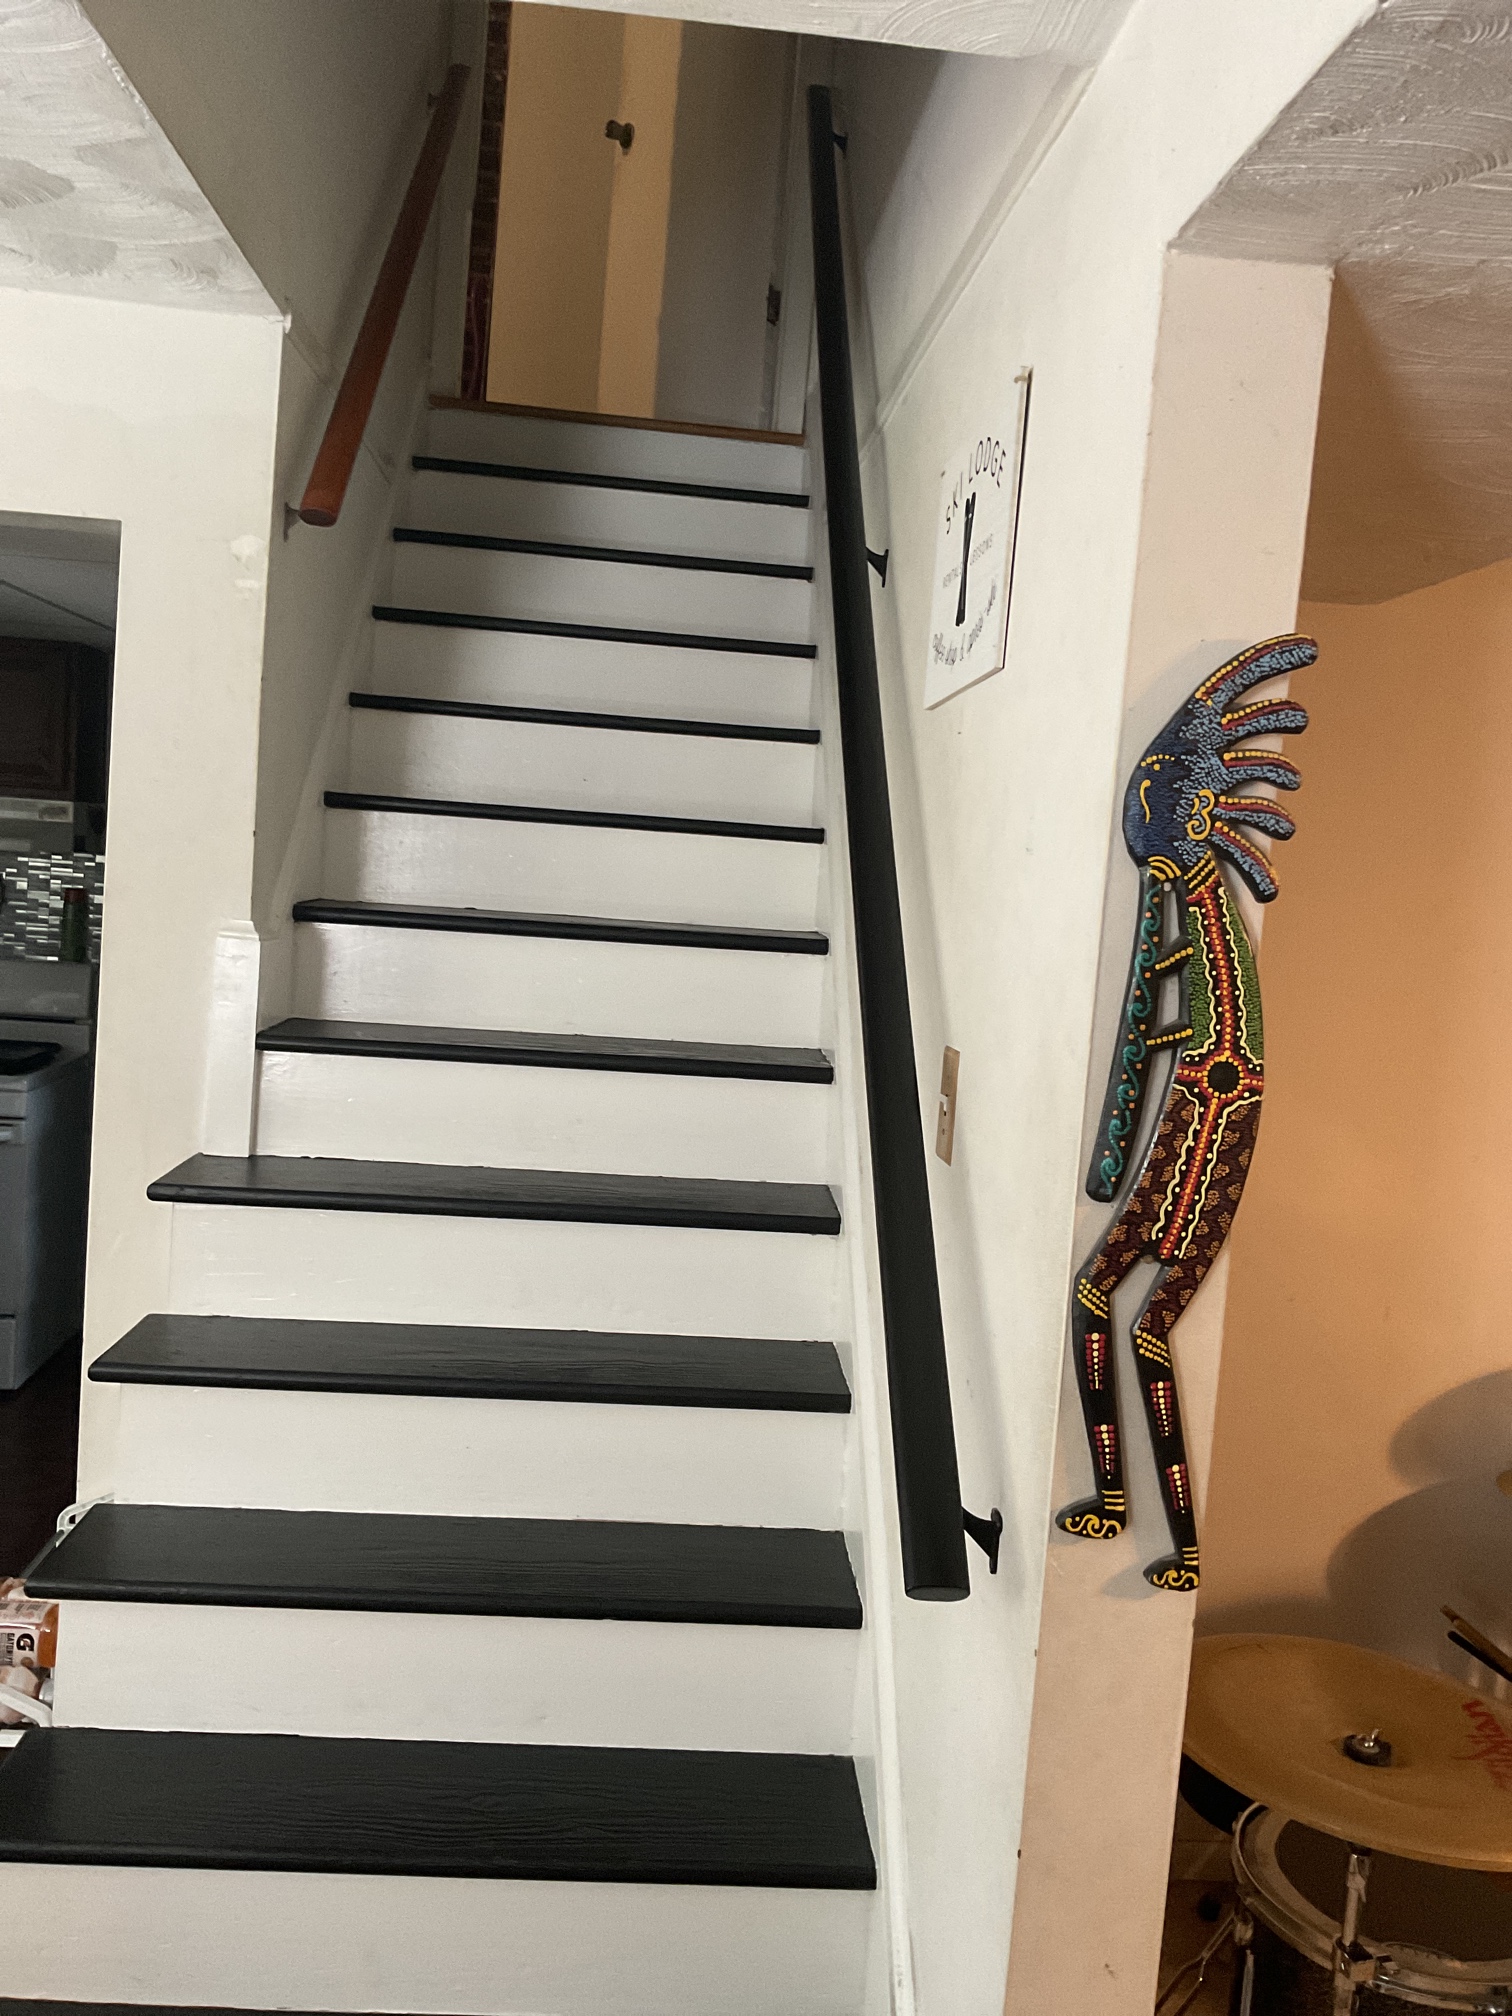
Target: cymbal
(1269, 1715)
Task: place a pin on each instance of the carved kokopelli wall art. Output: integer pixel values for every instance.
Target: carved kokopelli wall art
(1182, 813)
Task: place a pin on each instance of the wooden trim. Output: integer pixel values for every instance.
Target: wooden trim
(337, 455)
(445, 402)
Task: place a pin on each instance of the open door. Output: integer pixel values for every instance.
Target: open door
(639, 203)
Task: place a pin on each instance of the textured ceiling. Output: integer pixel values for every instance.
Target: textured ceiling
(1077, 31)
(93, 199)
(1395, 166)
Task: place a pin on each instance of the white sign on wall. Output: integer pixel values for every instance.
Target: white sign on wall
(974, 541)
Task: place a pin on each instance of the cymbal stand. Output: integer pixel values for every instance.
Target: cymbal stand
(1198, 1968)
(1353, 1966)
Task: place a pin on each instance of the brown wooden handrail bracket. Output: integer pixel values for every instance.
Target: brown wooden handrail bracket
(337, 455)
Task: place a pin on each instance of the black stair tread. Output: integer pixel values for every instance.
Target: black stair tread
(626, 556)
(172, 1799)
(601, 633)
(9, 2006)
(632, 1571)
(582, 479)
(441, 1189)
(541, 924)
(568, 815)
(539, 1048)
(578, 717)
(604, 1367)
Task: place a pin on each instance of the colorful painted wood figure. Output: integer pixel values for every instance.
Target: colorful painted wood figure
(1182, 813)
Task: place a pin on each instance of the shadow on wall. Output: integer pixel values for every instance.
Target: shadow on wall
(1449, 1541)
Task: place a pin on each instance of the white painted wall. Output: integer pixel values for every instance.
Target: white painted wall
(301, 126)
(163, 420)
(1003, 801)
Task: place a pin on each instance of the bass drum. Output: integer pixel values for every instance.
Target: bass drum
(1443, 1937)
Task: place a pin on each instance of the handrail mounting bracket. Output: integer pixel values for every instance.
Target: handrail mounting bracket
(987, 1533)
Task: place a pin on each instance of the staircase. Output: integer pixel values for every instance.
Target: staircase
(478, 1623)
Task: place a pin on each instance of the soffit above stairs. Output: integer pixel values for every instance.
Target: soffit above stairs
(93, 198)
(1395, 167)
(1075, 31)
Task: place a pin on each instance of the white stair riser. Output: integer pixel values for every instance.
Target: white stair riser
(452, 1679)
(484, 1459)
(553, 589)
(616, 451)
(582, 514)
(390, 1267)
(596, 769)
(377, 973)
(590, 871)
(389, 1109)
(446, 1944)
(604, 678)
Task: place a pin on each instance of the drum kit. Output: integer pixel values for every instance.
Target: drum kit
(1371, 1812)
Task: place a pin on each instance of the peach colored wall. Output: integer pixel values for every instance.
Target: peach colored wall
(556, 186)
(1365, 1401)
(637, 254)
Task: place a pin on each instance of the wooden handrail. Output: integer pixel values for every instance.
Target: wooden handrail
(337, 456)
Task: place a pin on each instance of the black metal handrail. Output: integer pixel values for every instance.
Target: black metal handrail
(930, 1518)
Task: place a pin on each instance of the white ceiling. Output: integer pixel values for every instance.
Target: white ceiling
(93, 199)
(1395, 166)
(1077, 31)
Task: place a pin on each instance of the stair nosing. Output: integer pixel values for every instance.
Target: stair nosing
(541, 1050)
(622, 556)
(569, 815)
(542, 924)
(45, 2005)
(425, 1564)
(539, 1196)
(593, 633)
(655, 486)
(566, 717)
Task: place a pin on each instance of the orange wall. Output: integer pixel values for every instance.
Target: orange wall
(1365, 1403)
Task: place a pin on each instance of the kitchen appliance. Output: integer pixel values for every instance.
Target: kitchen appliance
(46, 1096)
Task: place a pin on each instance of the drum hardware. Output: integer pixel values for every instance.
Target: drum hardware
(1244, 1943)
(1372, 1749)
(1464, 1634)
(1353, 1966)
(1197, 1968)
(1296, 1954)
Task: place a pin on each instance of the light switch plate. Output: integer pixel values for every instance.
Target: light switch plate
(950, 1072)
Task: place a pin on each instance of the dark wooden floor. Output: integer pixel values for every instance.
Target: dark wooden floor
(39, 1437)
